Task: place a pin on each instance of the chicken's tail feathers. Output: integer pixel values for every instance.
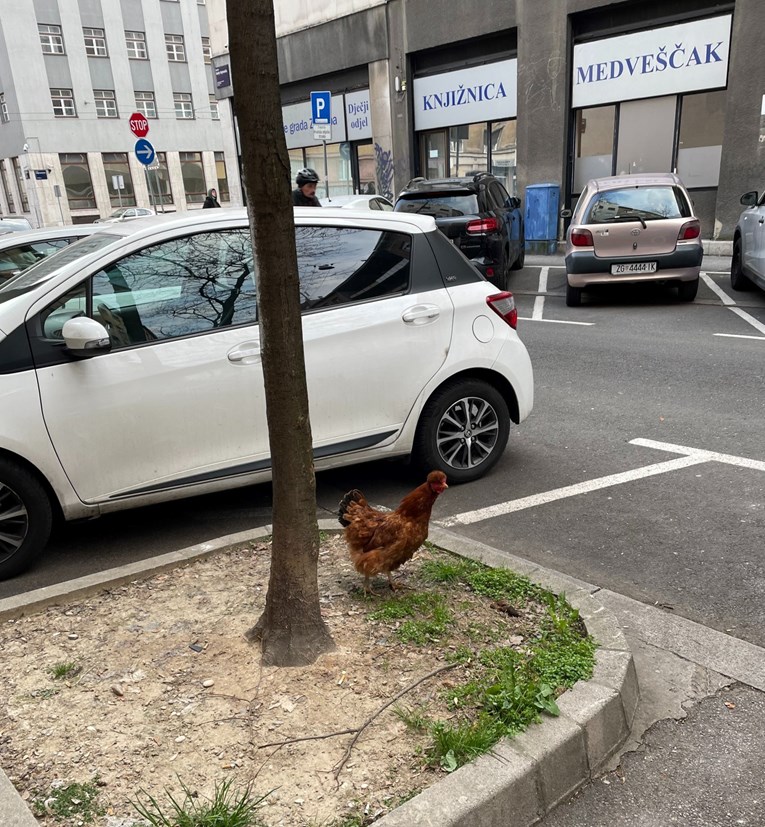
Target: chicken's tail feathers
(354, 496)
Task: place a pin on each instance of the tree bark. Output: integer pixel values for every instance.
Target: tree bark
(291, 630)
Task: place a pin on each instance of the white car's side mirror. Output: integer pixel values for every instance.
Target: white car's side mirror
(85, 337)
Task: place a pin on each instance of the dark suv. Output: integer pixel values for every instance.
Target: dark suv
(477, 215)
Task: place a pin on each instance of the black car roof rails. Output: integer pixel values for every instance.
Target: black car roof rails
(477, 177)
(415, 182)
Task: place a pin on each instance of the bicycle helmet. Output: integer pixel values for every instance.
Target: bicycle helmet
(306, 176)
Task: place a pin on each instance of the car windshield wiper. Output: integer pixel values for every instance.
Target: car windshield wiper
(631, 216)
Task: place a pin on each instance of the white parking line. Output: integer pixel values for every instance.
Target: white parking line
(539, 301)
(553, 321)
(691, 456)
(731, 305)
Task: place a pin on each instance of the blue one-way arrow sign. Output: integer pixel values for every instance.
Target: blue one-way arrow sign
(144, 151)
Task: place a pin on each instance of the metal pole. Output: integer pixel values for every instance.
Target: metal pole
(151, 190)
(326, 172)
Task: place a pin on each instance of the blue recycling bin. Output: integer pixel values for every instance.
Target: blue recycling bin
(541, 218)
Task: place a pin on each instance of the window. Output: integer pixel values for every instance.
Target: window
(160, 191)
(633, 203)
(51, 39)
(468, 148)
(646, 135)
(451, 205)
(95, 43)
(214, 111)
(181, 287)
(20, 182)
(136, 45)
(702, 119)
(193, 177)
(503, 152)
(145, 104)
(3, 109)
(15, 259)
(77, 181)
(106, 103)
(206, 50)
(339, 168)
(220, 172)
(594, 144)
(118, 179)
(176, 51)
(339, 265)
(63, 103)
(184, 108)
(7, 188)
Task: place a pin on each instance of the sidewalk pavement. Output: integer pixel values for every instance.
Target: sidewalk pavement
(660, 767)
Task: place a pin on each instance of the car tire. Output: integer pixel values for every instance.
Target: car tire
(687, 290)
(502, 279)
(446, 423)
(26, 518)
(573, 296)
(519, 263)
(738, 281)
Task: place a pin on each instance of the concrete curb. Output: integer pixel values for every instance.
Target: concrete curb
(521, 779)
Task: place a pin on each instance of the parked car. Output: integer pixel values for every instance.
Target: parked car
(477, 215)
(21, 250)
(358, 202)
(747, 267)
(14, 224)
(633, 228)
(130, 369)
(127, 213)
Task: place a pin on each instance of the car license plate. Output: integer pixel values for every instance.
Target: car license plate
(634, 267)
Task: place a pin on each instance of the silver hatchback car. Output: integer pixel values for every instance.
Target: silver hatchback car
(633, 228)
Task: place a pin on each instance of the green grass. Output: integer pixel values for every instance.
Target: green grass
(425, 617)
(62, 671)
(76, 801)
(226, 808)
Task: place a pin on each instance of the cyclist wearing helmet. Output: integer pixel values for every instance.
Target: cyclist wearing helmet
(305, 194)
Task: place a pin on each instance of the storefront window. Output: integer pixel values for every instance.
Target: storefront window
(594, 144)
(367, 177)
(77, 181)
(702, 118)
(193, 177)
(503, 154)
(646, 135)
(160, 191)
(338, 169)
(297, 162)
(117, 171)
(220, 173)
(469, 152)
(433, 160)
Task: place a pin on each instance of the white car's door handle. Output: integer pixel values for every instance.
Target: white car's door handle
(249, 353)
(421, 314)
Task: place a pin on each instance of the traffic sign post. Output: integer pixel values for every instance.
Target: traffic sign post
(321, 115)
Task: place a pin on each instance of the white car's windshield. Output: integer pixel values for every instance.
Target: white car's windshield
(38, 273)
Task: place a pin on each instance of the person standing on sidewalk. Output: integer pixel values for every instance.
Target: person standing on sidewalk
(211, 200)
(305, 194)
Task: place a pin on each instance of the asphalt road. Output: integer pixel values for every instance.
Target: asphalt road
(643, 366)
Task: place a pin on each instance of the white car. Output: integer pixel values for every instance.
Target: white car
(747, 267)
(127, 214)
(21, 250)
(358, 202)
(130, 363)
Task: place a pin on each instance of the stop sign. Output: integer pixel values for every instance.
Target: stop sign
(138, 124)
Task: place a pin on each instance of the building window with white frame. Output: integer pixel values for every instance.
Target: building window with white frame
(206, 50)
(77, 181)
(136, 45)
(214, 111)
(176, 51)
(145, 104)
(106, 103)
(184, 107)
(4, 118)
(63, 103)
(51, 39)
(95, 42)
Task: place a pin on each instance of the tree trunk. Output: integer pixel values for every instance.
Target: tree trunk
(291, 629)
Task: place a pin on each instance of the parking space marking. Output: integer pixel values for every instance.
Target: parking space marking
(539, 301)
(691, 456)
(731, 305)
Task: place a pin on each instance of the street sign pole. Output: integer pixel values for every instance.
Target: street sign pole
(326, 172)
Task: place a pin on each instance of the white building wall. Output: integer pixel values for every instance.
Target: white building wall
(293, 15)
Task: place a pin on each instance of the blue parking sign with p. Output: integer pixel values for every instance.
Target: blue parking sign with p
(321, 107)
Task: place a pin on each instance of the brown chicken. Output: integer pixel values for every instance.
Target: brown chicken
(381, 541)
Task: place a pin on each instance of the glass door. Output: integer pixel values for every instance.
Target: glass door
(434, 161)
(646, 135)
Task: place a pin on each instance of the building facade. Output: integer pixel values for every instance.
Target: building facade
(71, 74)
(535, 91)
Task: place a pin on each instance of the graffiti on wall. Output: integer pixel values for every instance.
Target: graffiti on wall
(384, 171)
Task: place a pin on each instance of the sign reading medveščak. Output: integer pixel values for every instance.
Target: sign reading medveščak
(664, 61)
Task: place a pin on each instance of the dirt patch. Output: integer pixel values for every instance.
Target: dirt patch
(169, 691)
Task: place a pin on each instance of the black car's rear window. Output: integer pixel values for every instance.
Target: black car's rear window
(632, 203)
(440, 205)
